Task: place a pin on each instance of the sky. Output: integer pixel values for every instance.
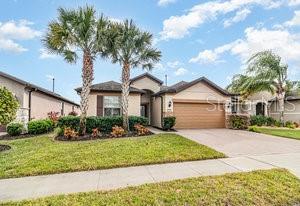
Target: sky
(196, 37)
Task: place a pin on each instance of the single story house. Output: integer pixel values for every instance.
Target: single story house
(266, 104)
(36, 102)
(196, 104)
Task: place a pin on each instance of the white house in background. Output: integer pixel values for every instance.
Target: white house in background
(35, 102)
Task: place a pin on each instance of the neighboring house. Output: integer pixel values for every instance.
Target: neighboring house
(196, 104)
(265, 103)
(35, 102)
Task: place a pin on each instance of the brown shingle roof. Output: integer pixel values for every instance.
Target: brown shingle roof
(110, 86)
(150, 76)
(180, 86)
(37, 88)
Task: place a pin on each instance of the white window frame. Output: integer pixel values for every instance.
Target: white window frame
(112, 107)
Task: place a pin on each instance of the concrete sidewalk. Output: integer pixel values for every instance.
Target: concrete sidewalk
(39, 186)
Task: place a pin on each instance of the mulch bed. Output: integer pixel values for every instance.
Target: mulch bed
(103, 136)
(4, 147)
(9, 137)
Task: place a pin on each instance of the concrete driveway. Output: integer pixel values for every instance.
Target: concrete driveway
(277, 151)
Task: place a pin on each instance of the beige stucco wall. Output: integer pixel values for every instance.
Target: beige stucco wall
(70, 107)
(198, 92)
(42, 104)
(146, 83)
(291, 111)
(17, 89)
(156, 112)
(134, 103)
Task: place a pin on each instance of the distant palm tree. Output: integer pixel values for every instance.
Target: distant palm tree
(265, 72)
(131, 48)
(74, 33)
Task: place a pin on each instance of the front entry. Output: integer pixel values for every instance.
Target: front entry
(198, 115)
(260, 108)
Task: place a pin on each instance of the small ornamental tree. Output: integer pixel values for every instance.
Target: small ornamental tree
(8, 106)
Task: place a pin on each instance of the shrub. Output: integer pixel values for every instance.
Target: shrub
(141, 130)
(8, 106)
(53, 116)
(73, 113)
(69, 121)
(96, 133)
(40, 126)
(104, 124)
(14, 129)
(70, 133)
(253, 129)
(290, 124)
(134, 120)
(117, 131)
(261, 120)
(296, 124)
(169, 122)
(238, 121)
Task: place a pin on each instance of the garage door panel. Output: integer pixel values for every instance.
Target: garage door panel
(198, 115)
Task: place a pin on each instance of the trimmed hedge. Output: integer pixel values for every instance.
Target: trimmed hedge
(169, 122)
(14, 129)
(40, 126)
(261, 120)
(238, 121)
(104, 124)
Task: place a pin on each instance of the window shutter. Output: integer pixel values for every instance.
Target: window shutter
(99, 105)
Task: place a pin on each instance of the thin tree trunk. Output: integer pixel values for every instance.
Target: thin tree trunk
(125, 94)
(87, 79)
(281, 97)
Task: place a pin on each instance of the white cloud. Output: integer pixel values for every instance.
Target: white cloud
(180, 71)
(282, 42)
(165, 2)
(177, 27)
(295, 21)
(46, 55)
(13, 31)
(239, 16)
(174, 64)
(158, 67)
(11, 46)
(294, 2)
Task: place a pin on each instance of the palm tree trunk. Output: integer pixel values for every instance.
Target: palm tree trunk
(281, 97)
(87, 79)
(125, 94)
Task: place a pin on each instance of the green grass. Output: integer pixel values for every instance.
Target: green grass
(269, 187)
(281, 132)
(41, 155)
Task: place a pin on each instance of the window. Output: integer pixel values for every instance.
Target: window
(112, 106)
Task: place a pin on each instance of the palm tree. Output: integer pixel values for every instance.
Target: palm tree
(265, 72)
(131, 48)
(74, 33)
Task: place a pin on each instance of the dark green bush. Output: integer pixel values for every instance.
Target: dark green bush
(133, 120)
(104, 124)
(261, 120)
(14, 129)
(238, 121)
(69, 121)
(169, 122)
(40, 126)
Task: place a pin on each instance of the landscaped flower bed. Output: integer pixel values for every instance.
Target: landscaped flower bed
(100, 128)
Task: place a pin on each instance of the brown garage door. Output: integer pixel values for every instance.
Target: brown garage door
(198, 115)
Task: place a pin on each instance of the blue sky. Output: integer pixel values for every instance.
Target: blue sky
(197, 38)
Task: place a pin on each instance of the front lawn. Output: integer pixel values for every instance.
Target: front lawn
(42, 155)
(270, 187)
(281, 132)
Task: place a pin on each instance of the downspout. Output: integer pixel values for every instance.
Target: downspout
(161, 114)
(29, 104)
